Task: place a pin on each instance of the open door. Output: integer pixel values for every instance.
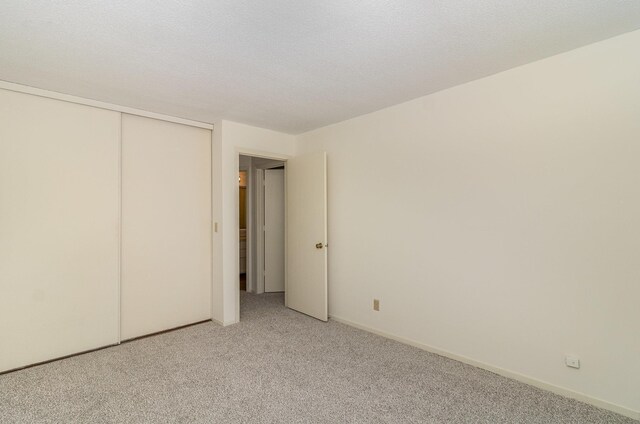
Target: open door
(306, 265)
(274, 230)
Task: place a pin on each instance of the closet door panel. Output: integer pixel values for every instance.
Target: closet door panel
(59, 228)
(166, 225)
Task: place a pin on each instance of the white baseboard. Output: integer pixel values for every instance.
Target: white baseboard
(224, 324)
(501, 371)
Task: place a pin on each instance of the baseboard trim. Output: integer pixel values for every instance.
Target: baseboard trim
(222, 323)
(622, 410)
(168, 330)
(71, 355)
(58, 358)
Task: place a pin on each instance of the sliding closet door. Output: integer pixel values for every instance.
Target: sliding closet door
(59, 213)
(166, 225)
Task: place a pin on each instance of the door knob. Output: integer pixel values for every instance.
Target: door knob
(319, 245)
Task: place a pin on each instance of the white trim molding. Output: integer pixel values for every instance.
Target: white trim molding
(500, 371)
(223, 324)
(5, 85)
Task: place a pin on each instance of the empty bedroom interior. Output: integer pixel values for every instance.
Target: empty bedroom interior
(458, 190)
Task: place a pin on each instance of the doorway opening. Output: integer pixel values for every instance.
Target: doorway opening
(261, 232)
(242, 220)
(299, 271)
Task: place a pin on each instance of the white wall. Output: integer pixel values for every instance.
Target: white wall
(231, 139)
(498, 220)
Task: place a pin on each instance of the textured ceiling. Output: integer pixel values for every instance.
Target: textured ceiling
(288, 65)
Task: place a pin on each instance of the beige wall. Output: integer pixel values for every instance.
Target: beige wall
(498, 220)
(230, 139)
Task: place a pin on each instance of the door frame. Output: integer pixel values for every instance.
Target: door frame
(250, 248)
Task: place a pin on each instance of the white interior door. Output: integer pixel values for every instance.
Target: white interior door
(59, 228)
(306, 290)
(274, 230)
(166, 225)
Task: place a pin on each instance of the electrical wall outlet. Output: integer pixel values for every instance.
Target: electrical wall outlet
(572, 361)
(376, 304)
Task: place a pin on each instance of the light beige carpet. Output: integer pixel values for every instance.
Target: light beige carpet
(276, 366)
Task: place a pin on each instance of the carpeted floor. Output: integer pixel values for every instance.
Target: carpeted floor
(276, 366)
